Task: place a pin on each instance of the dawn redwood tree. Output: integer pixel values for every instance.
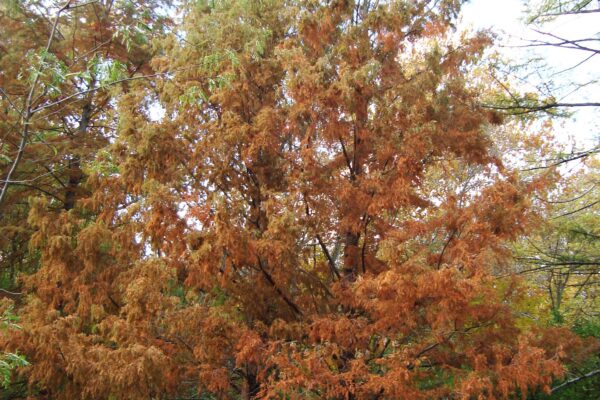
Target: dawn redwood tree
(273, 228)
(58, 62)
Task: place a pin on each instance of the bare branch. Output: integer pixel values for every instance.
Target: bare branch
(573, 157)
(536, 108)
(574, 380)
(38, 189)
(8, 292)
(87, 91)
(577, 210)
(328, 256)
(87, 3)
(3, 93)
(575, 44)
(574, 12)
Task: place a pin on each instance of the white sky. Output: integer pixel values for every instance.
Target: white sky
(506, 17)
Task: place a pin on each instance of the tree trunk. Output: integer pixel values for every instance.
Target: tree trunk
(351, 256)
(74, 165)
(250, 388)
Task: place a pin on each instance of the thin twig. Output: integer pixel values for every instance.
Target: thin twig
(3, 93)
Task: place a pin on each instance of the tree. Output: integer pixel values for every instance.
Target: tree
(274, 233)
(561, 258)
(57, 72)
(59, 61)
(566, 249)
(550, 9)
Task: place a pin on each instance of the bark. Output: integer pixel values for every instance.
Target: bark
(351, 256)
(74, 166)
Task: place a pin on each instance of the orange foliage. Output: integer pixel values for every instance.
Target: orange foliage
(277, 233)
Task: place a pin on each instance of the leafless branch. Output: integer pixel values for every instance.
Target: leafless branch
(3, 93)
(8, 292)
(87, 91)
(527, 109)
(577, 210)
(574, 380)
(330, 260)
(573, 12)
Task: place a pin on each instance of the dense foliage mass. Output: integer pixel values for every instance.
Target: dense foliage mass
(275, 199)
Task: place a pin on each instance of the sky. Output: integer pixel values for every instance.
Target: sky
(507, 17)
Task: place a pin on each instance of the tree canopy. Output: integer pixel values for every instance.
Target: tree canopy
(274, 199)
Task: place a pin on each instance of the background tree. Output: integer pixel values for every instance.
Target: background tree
(561, 257)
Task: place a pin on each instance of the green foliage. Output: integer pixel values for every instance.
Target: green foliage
(12, 6)
(440, 378)
(546, 10)
(193, 95)
(132, 35)
(112, 71)
(587, 328)
(9, 320)
(9, 361)
(103, 164)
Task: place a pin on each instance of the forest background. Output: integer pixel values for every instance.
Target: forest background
(297, 199)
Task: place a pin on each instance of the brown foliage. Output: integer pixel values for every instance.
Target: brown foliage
(277, 234)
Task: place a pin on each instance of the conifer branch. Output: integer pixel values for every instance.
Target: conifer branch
(285, 298)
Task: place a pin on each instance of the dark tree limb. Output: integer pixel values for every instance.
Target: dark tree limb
(330, 260)
(575, 380)
(526, 109)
